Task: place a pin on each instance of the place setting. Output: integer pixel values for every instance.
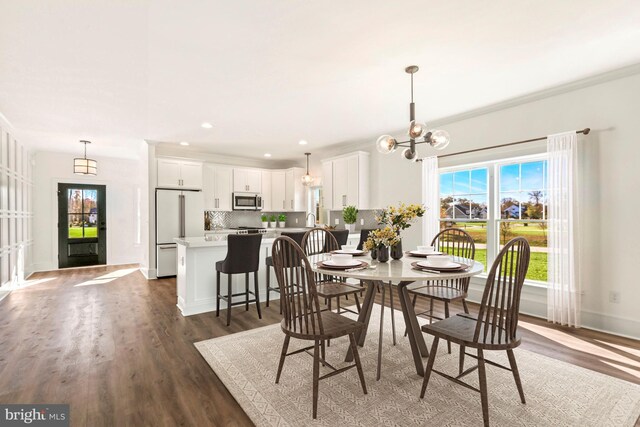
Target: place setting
(349, 250)
(423, 252)
(440, 264)
(341, 261)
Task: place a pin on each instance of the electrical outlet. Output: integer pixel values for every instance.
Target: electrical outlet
(361, 221)
(337, 221)
(614, 297)
(296, 220)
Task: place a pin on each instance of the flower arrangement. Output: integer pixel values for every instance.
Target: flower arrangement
(384, 237)
(400, 218)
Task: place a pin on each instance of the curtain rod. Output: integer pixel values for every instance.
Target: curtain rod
(584, 131)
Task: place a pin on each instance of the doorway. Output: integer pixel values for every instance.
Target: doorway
(82, 225)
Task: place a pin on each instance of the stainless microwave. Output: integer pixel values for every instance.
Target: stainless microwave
(247, 202)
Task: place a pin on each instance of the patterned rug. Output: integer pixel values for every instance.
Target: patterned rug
(557, 393)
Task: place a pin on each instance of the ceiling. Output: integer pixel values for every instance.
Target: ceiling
(268, 73)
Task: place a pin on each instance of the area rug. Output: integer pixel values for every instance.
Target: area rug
(557, 393)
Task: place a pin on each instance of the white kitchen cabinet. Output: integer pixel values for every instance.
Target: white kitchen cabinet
(327, 185)
(294, 190)
(217, 187)
(175, 173)
(278, 193)
(266, 190)
(247, 180)
(346, 181)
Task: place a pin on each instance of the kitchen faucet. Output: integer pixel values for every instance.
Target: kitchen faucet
(314, 218)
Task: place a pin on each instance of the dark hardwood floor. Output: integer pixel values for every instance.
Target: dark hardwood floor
(115, 347)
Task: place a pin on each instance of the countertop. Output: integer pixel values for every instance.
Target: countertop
(221, 239)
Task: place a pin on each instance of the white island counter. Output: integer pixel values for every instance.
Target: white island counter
(196, 278)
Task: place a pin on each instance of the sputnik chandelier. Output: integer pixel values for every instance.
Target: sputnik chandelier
(418, 133)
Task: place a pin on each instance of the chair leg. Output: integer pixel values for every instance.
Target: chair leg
(246, 291)
(465, 307)
(461, 359)
(446, 316)
(482, 375)
(516, 374)
(338, 304)
(393, 319)
(316, 376)
(430, 311)
(283, 354)
(356, 359)
(323, 354)
(217, 294)
(229, 299)
(357, 302)
(427, 372)
(257, 291)
(268, 284)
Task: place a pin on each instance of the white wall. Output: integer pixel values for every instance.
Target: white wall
(609, 180)
(15, 208)
(123, 182)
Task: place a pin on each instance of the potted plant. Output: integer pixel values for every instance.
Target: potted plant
(282, 219)
(379, 242)
(265, 220)
(350, 215)
(399, 218)
(273, 223)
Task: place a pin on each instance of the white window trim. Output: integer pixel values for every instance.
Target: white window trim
(493, 204)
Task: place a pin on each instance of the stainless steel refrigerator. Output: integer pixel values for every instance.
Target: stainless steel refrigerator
(179, 213)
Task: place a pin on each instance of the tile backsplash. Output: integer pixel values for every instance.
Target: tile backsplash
(215, 219)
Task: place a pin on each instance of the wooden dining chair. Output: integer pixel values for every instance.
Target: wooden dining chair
(318, 241)
(302, 317)
(495, 328)
(456, 242)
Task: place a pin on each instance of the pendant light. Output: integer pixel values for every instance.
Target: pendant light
(307, 179)
(84, 166)
(418, 132)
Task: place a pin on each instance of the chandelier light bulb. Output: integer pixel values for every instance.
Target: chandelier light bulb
(386, 144)
(439, 139)
(417, 129)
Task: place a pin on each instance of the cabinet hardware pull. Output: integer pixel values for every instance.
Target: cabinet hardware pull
(283, 204)
(292, 204)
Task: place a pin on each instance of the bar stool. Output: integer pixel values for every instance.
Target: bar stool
(243, 256)
(342, 236)
(297, 237)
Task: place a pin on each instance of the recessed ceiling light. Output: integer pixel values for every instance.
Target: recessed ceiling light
(185, 143)
(207, 125)
(302, 142)
(267, 154)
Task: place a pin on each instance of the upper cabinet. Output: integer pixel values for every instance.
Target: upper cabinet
(247, 180)
(278, 192)
(217, 187)
(287, 192)
(266, 190)
(174, 173)
(346, 181)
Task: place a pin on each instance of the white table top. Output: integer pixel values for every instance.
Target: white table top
(395, 270)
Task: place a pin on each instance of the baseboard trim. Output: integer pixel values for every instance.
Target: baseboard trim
(149, 273)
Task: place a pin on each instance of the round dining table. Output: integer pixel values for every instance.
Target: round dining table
(401, 274)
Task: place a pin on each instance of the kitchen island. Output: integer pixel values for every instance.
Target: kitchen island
(196, 277)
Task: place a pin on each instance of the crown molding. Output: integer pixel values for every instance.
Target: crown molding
(619, 73)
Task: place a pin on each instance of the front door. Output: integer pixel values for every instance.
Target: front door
(82, 225)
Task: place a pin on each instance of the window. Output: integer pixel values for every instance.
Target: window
(497, 201)
(83, 213)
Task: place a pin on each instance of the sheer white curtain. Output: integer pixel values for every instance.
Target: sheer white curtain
(563, 294)
(430, 198)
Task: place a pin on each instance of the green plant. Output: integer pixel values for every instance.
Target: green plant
(282, 217)
(264, 218)
(350, 214)
(273, 218)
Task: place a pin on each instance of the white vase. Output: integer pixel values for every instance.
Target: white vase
(350, 227)
(265, 224)
(281, 224)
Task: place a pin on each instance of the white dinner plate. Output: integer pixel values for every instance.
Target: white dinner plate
(450, 264)
(420, 253)
(351, 263)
